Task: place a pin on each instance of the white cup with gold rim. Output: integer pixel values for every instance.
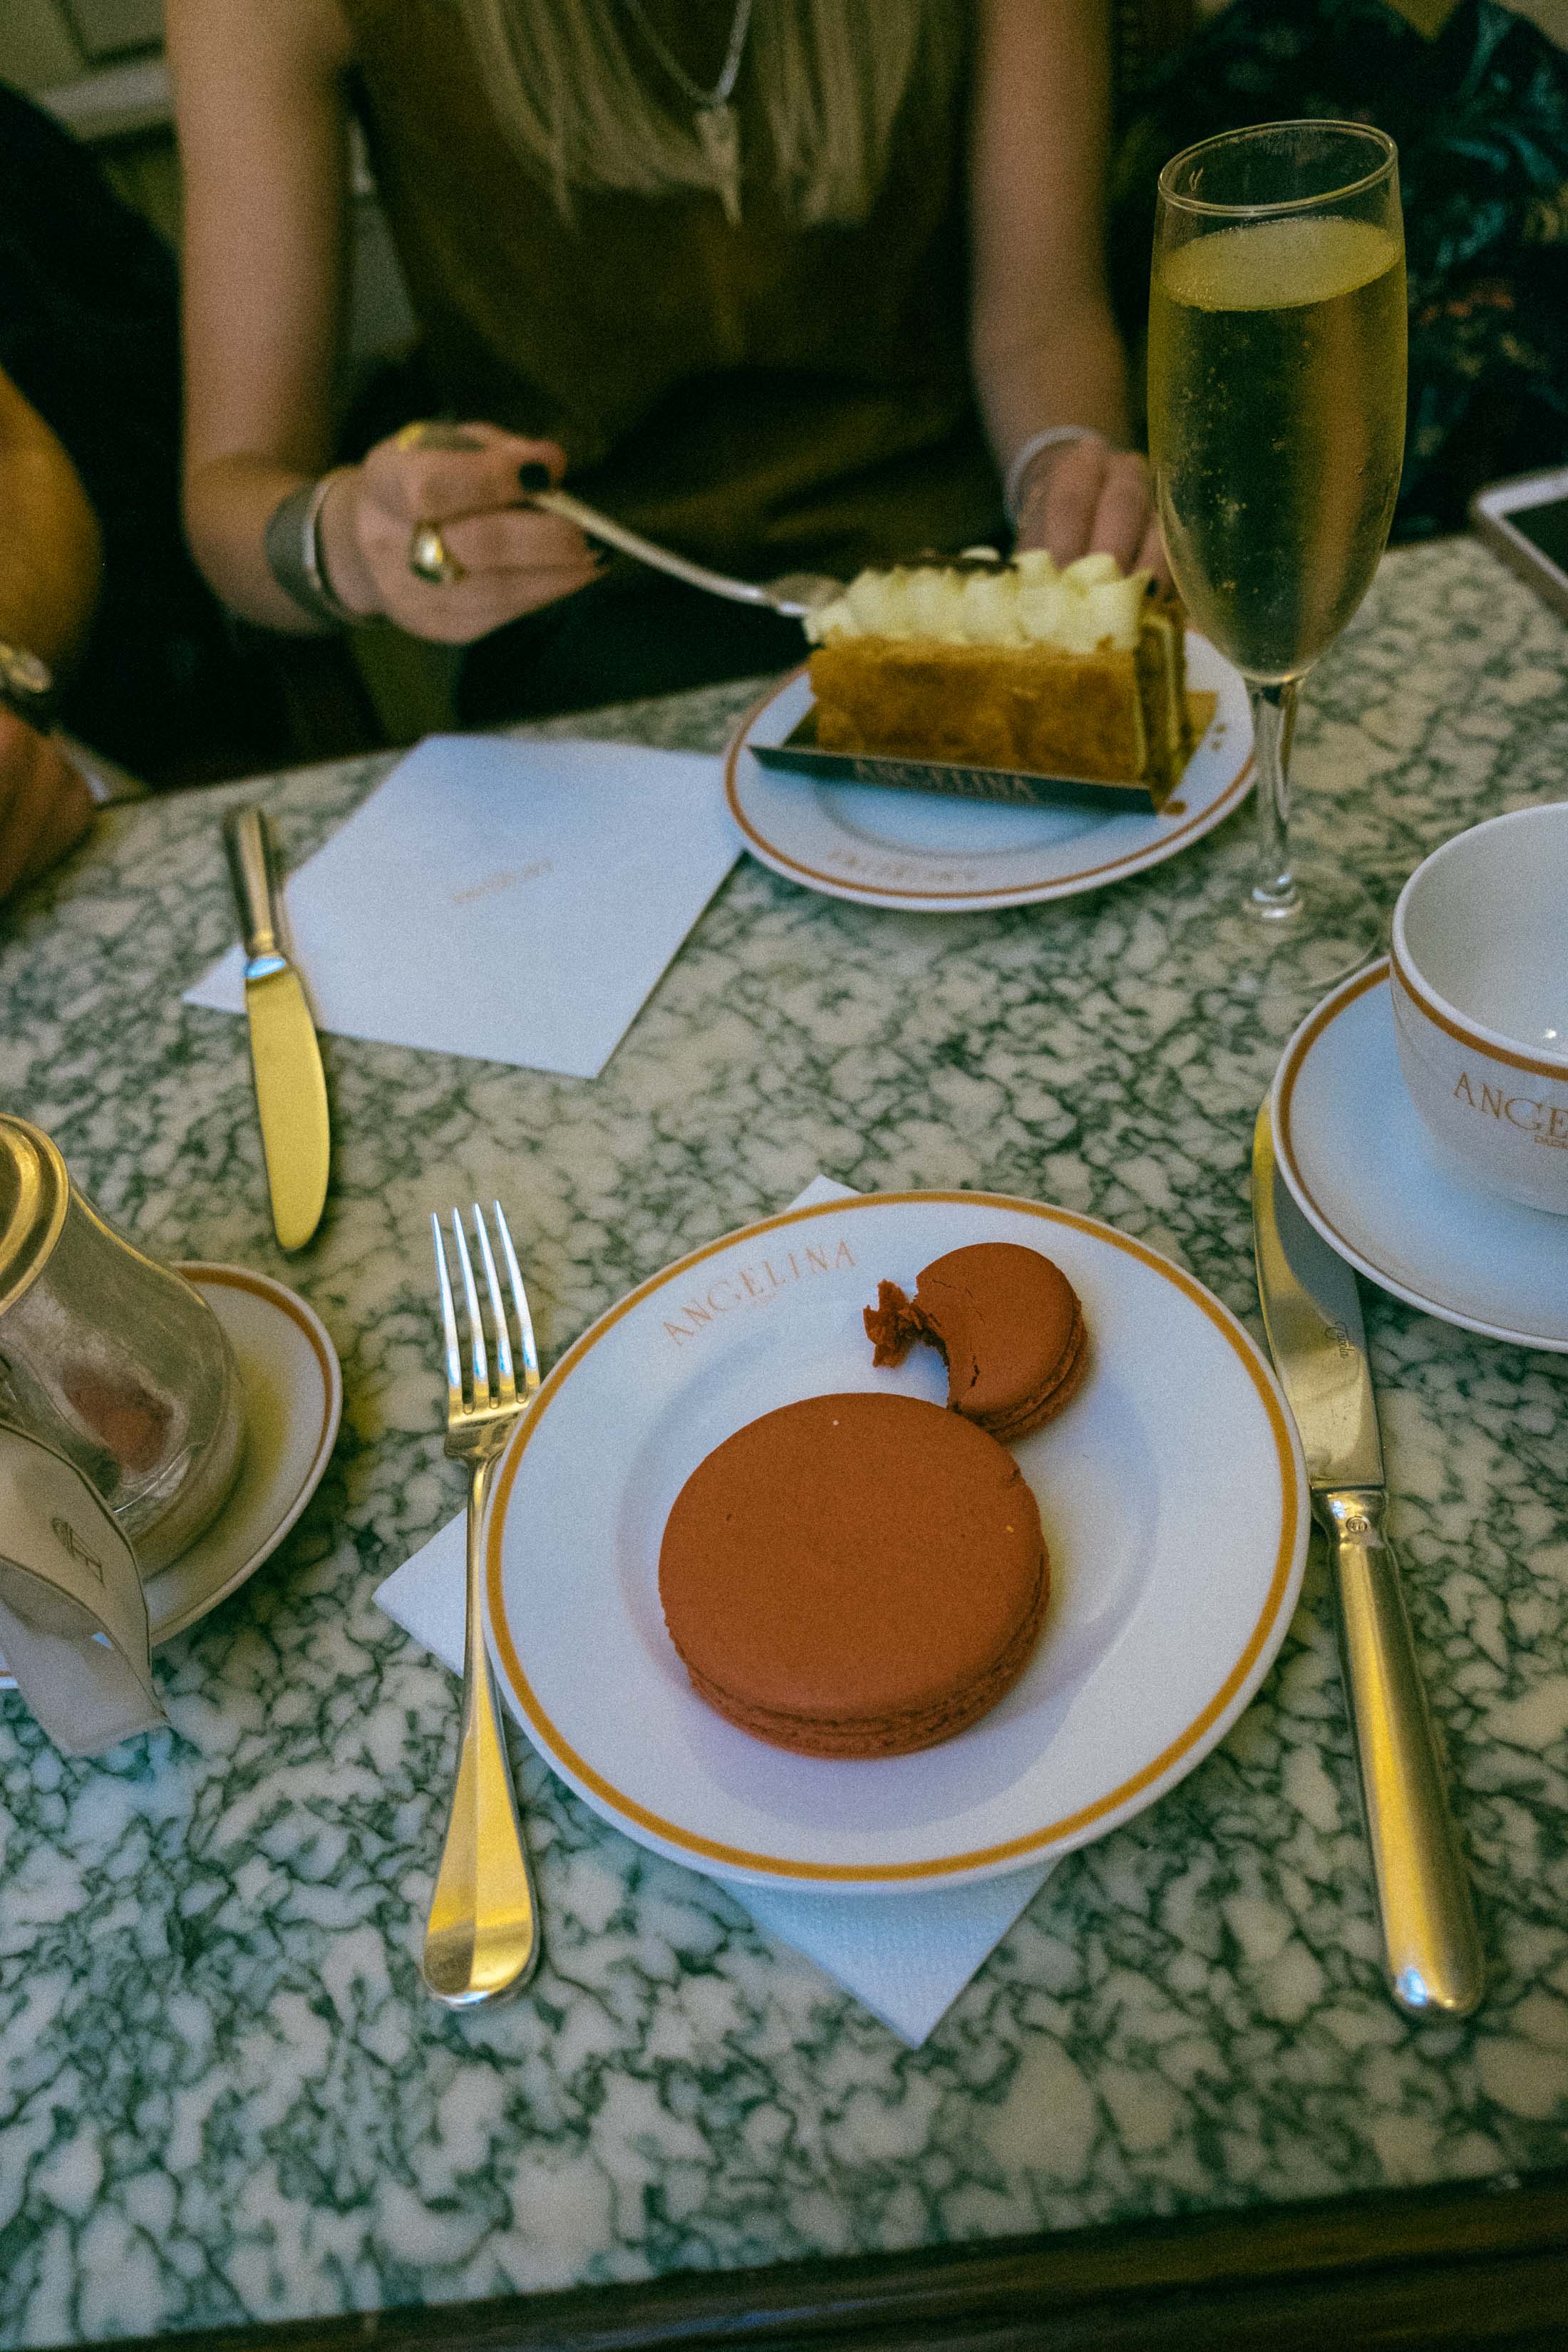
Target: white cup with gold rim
(1480, 1001)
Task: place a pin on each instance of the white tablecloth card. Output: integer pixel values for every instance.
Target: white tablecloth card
(514, 901)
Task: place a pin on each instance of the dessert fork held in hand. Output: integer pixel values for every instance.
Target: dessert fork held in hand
(481, 1941)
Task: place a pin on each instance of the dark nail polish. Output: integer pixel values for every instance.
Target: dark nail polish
(533, 475)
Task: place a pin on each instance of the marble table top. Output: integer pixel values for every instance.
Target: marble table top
(222, 2095)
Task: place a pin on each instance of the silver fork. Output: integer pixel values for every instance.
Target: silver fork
(795, 595)
(481, 1941)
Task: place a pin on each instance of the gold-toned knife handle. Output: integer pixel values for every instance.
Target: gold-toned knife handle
(247, 838)
(1432, 1945)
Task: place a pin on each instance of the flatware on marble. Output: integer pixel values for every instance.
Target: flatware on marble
(481, 1940)
(1311, 1312)
(285, 1059)
(793, 597)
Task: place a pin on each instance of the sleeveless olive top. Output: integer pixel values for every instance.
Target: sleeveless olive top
(764, 397)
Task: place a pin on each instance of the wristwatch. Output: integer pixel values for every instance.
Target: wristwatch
(26, 686)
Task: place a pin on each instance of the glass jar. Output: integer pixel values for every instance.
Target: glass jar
(111, 1358)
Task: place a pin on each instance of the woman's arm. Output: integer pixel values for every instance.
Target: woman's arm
(262, 124)
(1044, 347)
(262, 152)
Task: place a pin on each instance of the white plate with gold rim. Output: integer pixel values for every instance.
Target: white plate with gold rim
(1171, 1490)
(929, 853)
(293, 1390)
(1362, 1168)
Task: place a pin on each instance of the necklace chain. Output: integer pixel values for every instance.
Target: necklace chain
(720, 93)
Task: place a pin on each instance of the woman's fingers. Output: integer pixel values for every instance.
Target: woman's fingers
(1084, 497)
(1122, 511)
(45, 804)
(514, 539)
(504, 559)
(416, 481)
(1060, 495)
(505, 564)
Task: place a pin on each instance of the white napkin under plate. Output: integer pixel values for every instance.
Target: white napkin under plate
(515, 901)
(906, 1957)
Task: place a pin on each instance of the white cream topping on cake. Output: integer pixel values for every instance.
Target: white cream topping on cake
(1077, 610)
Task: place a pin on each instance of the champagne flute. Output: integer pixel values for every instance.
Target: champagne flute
(1277, 342)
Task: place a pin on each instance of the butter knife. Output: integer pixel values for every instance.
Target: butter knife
(1311, 1312)
(285, 1059)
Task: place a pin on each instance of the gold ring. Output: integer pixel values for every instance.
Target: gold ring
(434, 434)
(428, 558)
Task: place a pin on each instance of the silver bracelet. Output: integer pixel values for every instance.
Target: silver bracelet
(1051, 438)
(294, 554)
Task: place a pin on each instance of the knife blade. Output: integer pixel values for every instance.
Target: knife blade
(285, 1058)
(1311, 1313)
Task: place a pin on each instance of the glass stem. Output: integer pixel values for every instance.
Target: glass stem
(1275, 896)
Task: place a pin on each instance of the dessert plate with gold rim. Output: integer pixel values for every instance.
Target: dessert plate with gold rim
(293, 1392)
(929, 852)
(1362, 1168)
(1171, 1492)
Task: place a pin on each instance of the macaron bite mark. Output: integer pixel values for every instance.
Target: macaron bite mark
(1007, 1323)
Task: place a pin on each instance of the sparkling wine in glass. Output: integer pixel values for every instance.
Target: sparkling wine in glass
(1276, 343)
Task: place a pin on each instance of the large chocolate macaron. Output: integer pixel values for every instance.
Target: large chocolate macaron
(854, 1576)
(1008, 1325)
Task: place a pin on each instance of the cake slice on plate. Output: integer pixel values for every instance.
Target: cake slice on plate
(1019, 665)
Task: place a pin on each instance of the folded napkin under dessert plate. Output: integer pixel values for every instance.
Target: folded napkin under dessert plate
(1357, 1158)
(1173, 1501)
(293, 1394)
(930, 853)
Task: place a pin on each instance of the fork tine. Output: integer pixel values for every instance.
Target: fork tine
(448, 1324)
(506, 1386)
(479, 1358)
(520, 1300)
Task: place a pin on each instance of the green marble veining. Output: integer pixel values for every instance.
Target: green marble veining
(222, 2093)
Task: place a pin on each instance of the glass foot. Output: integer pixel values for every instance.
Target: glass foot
(1283, 959)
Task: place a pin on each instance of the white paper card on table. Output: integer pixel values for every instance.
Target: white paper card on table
(73, 1617)
(514, 901)
(905, 1958)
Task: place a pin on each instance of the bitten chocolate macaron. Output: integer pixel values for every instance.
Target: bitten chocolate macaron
(855, 1576)
(1008, 1325)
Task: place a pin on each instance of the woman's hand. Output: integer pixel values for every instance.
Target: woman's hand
(1081, 495)
(45, 806)
(508, 557)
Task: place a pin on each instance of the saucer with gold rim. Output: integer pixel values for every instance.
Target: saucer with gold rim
(1364, 1170)
(293, 1392)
